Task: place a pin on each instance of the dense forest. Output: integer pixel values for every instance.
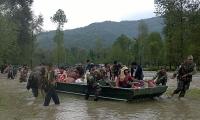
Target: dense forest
(164, 40)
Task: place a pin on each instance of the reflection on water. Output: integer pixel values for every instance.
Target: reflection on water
(16, 103)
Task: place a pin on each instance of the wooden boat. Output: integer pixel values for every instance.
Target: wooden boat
(126, 94)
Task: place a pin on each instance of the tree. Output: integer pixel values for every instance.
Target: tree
(181, 18)
(155, 48)
(141, 42)
(22, 27)
(121, 49)
(60, 18)
(36, 27)
(19, 12)
(9, 50)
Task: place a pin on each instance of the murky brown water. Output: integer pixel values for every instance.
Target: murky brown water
(16, 103)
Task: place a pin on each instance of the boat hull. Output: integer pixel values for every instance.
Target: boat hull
(113, 93)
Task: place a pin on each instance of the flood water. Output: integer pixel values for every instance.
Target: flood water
(16, 103)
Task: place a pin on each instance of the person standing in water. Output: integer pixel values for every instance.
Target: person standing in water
(184, 76)
(50, 87)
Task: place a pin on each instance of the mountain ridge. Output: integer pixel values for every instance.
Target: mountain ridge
(107, 31)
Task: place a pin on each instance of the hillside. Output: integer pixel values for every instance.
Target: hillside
(107, 31)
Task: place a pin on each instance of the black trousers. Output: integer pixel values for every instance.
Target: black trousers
(161, 81)
(182, 87)
(93, 89)
(35, 92)
(51, 93)
(10, 75)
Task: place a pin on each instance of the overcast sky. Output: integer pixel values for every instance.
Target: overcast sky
(81, 13)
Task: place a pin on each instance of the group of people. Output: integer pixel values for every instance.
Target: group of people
(133, 78)
(44, 77)
(12, 71)
(116, 75)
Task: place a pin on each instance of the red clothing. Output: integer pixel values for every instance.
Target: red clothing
(125, 82)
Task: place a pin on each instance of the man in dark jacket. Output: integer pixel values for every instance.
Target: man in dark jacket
(136, 71)
(33, 82)
(115, 70)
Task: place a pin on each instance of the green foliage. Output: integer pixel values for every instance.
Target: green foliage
(155, 49)
(141, 43)
(9, 49)
(121, 49)
(59, 18)
(59, 51)
(181, 28)
(18, 31)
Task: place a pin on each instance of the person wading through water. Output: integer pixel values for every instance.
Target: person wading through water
(50, 87)
(184, 76)
(93, 85)
(33, 82)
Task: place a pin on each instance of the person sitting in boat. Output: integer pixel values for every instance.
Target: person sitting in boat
(136, 71)
(161, 77)
(79, 74)
(80, 71)
(62, 75)
(92, 84)
(108, 71)
(71, 76)
(88, 65)
(115, 70)
(124, 80)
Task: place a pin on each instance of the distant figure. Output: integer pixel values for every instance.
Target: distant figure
(184, 76)
(136, 71)
(108, 71)
(15, 71)
(88, 65)
(50, 90)
(10, 72)
(3, 67)
(23, 74)
(115, 70)
(161, 77)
